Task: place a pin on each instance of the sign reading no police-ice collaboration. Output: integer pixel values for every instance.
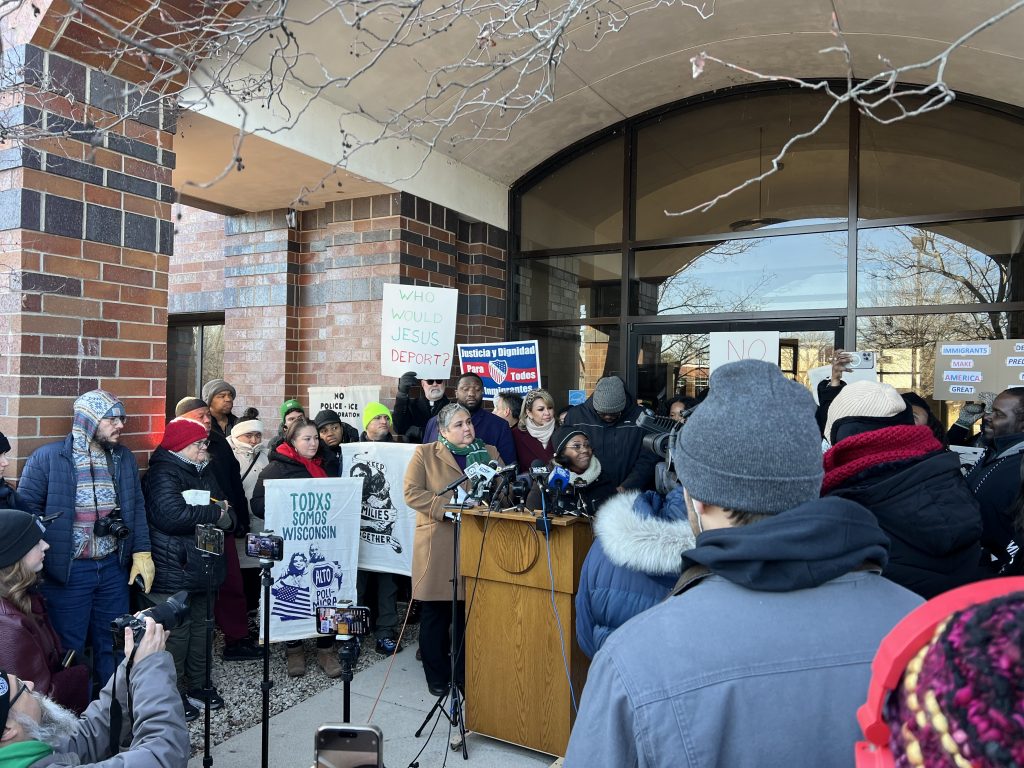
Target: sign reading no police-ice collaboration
(417, 330)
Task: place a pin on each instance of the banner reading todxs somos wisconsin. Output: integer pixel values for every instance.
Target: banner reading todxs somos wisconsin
(319, 522)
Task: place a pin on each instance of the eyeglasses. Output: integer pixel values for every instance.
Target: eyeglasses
(580, 446)
(122, 420)
(17, 696)
(434, 381)
(202, 443)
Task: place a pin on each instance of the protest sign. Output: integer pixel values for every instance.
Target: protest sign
(319, 522)
(965, 369)
(417, 330)
(728, 347)
(512, 366)
(347, 402)
(386, 524)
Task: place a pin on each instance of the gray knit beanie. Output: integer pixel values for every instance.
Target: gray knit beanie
(216, 386)
(753, 445)
(610, 395)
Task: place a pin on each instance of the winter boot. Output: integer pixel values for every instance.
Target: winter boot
(328, 661)
(296, 658)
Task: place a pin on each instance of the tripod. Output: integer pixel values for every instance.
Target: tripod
(348, 655)
(266, 580)
(452, 714)
(208, 680)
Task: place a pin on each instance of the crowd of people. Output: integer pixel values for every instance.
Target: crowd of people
(733, 617)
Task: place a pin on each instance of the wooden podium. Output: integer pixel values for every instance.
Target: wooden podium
(516, 684)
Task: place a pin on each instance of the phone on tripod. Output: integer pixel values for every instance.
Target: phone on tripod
(209, 539)
(349, 746)
(343, 620)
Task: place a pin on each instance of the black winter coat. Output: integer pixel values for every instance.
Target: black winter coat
(619, 448)
(280, 467)
(414, 413)
(172, 522)
(995, 480)
(228, 475)
(930, 516)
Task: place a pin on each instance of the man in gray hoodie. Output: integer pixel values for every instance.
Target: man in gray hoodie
(762, 654)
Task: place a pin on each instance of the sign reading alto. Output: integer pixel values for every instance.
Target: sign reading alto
(417, 330)
(504, 366)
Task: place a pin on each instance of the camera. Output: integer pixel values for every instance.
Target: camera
(210, 539)
(168, 615)
(861, 360)
(662, 433)
(112, 525)
(265, 546)
(343, 620)
(349, 746)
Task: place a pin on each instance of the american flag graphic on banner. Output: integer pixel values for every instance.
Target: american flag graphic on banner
(291, 603)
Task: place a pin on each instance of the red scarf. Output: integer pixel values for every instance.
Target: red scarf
(856, 453)
(314, 466)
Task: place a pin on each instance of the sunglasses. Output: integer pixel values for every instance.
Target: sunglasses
(434, 381)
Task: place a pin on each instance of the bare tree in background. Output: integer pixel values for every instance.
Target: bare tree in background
(498, 63)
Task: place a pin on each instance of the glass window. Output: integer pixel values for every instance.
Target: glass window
(761, 274)
(958, 158)
(958, 263)
(195, 354)
(688, 158)
(569, 287)
(575, 357)
(578, 204)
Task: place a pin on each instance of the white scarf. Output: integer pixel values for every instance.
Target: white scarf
(589, 475)
(541, 434)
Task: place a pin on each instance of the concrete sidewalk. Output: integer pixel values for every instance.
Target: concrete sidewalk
(404, 703)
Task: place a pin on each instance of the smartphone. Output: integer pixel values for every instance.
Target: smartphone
(343, 620)
(349, 746)
(264, 545)
(861, 360)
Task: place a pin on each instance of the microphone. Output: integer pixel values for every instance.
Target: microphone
(559, 479)
(473, 472)
(508, 469)
(538, 470)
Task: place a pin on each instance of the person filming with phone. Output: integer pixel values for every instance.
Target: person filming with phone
(38, 732)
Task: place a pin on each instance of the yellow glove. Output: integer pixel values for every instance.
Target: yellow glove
(142, 565)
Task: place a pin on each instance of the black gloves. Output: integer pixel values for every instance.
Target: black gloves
(407, 382)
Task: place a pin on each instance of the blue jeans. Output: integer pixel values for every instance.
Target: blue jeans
(95, 595)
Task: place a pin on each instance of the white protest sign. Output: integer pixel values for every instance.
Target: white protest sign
(819, 374)
(386, 524)
(417, 330)
(728, 347)
(347, 402)
(319, 522)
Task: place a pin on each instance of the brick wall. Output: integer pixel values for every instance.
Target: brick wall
(302, 305)
(85, 238)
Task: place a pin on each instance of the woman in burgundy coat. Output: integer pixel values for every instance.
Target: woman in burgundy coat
(536, 426)
(29, 647)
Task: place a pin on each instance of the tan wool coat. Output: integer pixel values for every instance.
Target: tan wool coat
(432, 468)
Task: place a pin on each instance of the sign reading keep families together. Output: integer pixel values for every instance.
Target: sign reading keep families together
(331, 528)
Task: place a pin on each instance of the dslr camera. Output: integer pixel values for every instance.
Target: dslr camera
(210, 539)
(112, 525)
(265, 546)
(168, 615)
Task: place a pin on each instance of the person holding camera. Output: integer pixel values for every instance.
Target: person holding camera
(99, 539)
(38, 732)
(181, 493)
(28, 644)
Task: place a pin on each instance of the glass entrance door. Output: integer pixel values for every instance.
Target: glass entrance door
(673, 359)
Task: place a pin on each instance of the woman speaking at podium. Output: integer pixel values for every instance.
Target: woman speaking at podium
(433, 468)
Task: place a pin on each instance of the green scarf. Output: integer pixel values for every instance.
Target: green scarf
(475, 452)
(23, 753)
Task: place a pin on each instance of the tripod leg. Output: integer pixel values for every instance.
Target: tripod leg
(208, 681)
(267, 683)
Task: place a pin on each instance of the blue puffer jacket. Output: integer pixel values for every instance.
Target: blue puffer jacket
(634, 562)
(48, 486)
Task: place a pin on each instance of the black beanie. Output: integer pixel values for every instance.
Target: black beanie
(325, 417)
(19, 532)
(5, 444)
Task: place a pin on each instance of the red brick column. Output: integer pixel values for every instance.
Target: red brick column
(85, 238)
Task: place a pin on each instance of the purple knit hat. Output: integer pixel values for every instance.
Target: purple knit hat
(963, 694)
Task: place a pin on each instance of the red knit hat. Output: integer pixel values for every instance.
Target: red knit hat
(182, 432)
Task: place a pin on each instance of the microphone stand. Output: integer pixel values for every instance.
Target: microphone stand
(266, 581)
(208, 679)
(454, 717)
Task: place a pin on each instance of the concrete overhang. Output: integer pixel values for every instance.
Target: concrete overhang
(642, 66)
